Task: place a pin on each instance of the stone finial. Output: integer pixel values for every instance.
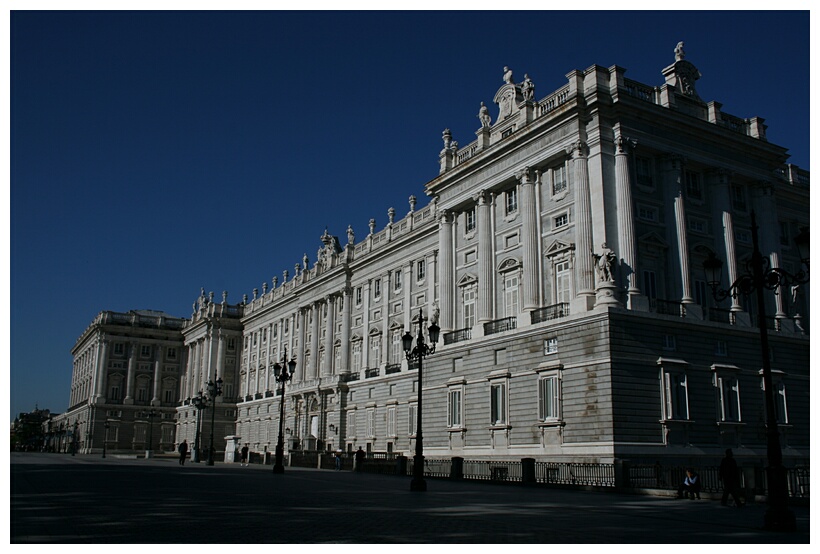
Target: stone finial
(285, 276)
(484, 116)
(264, 288)
(296, 269)
(391, 213)
(679, 53)
(305, 261)
(211, 297)
(244, 299)
(412, 203)
(224, 296)
(447, 137)
(372, 226)
(508, 76)
(274, 281)
(350, 235)
(255, 293)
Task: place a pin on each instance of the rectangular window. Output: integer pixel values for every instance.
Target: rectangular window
(469, 307)
(377, 288)
(694, 188)
(145, 351)
(397, 280)
(375, 351)
(119, 348)
(412, 419)
(551, 345)
(454, 408)
(168, 396)
(511, 241)
(562, 281)
(700, 290)
(511, 295)
(559, 179)
(728, 397)
(560, 221)
(697, 225)
(469, 257)
(115, 392)
(648, 213)
(391, 421)
(549, 398)
(643, 171)
(421, 270)
(371, 423)
(784, 233)
(358, 296)
(721, 349)
(357, 355)
(396, 347)
(780, 403)
(469, 221)
(738, 198)
(140, 432)
(351, 424)
(649, 284)
(676, 395)
(511, 205)
(172, 353)
(669, 342)
(498, 404)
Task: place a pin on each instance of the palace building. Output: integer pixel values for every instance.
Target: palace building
(561, 253)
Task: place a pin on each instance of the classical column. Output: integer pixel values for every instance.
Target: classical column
(155, 401)
(330, 303)
(220, 354)
(583, 224)
(302, 315)
(129, 384)
(344, 355)
(485, 257)
(366, 326)
(719, 182)
(315, 310)
(626, 221)
(432, 275)
(102, 370)
(529, 240)
(386, 313)
(673, 186)
(769, 234)
(446, 281)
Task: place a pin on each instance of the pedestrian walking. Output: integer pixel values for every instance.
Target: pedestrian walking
(244, 458)
(338, 459)
(183, 452)
(729, 474)
(360, 459)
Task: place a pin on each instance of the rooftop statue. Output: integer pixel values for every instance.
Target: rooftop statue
(528, 88)
(484, 116)
(679, 53)
(508, 75)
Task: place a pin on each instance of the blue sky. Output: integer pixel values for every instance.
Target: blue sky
(154, 153)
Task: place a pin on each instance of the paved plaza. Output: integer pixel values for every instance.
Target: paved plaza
(57, 498)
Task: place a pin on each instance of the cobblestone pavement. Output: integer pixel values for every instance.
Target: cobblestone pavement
(57, 498)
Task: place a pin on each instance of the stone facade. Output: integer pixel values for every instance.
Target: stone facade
(561, 254)
(126, 374)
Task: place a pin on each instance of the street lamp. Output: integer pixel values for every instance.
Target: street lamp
(105, 436)
(778, 515)
(74, 438)
(150, 415)
(214, 390)
(199, 402)
(418, 353)
(282, 373)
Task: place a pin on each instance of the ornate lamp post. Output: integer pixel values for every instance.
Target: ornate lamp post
(283, 373)
(214, 390)
(150, 414)
(418, 353)
(105, 436)
(761, 276)
(74, 438)
(200, 403)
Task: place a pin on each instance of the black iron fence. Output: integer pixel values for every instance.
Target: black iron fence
(621, 475)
